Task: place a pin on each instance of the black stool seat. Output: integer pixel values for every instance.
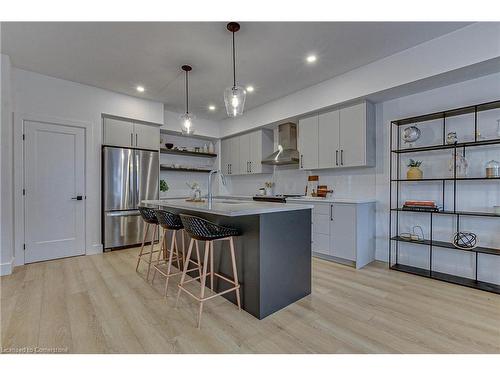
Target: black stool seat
(148, 215)
(168, 220)
(204, 230)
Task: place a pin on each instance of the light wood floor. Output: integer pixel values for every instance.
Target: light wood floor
(98, 304)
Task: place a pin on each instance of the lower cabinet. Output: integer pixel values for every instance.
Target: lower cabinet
(344, 232)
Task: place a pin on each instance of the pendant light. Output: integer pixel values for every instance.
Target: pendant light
(187, 118)
(234, 96)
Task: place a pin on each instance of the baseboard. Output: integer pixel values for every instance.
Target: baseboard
(6, 268)
(94, 249)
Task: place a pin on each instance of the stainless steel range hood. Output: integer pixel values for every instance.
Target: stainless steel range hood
(287, 146)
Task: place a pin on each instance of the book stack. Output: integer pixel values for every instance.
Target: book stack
(421, 206)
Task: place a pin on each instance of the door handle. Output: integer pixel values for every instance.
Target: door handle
(136, 139)
(131, 139)
(341, 157)
(331, 212)
(78, 198)
(250, 167)
(337, 157)
(301, 161)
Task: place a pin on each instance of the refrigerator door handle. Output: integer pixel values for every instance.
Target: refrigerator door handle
(123, 213)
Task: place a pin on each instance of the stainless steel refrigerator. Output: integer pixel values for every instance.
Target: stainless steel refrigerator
(128, 177)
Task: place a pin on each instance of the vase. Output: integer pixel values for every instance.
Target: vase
(414, 173)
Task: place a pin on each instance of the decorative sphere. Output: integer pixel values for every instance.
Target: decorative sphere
(465, 240)
(411, 134)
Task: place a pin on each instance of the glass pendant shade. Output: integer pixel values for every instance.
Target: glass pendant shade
(234, 98)
(187, 124)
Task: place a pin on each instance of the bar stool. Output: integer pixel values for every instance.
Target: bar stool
(203, 230)
(170, 221)
(149, 217)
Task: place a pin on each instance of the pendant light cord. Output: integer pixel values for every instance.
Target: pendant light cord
(187, 96)
(234, 63)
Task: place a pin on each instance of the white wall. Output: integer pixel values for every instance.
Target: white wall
(374, 182)
(6, 203)
(462, 48)
(40, 95)
(204, 127)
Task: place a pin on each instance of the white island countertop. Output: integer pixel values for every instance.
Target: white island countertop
(228, 207)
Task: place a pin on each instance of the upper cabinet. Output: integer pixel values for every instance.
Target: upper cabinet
(125, 133)
(243, 154)
(308, 142)
(338, 139)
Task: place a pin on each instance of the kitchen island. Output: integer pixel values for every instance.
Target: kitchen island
(273, 253)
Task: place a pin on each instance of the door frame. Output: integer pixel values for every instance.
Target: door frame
(20, 120)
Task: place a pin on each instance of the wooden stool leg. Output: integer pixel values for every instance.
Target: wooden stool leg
(145, 230)
(198, 258)
(151, 251)
(212, 265)
(203, 280)
(235, 272)
(172, 245)
(183, 277)
(177, 250)
(164, 233)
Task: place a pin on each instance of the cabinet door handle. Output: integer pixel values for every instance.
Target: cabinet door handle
(136, 139)
(248, 166)
(131, 139)
(331, 212)
(301, 161)
(250, 163)
(337, 157)
(341, 157)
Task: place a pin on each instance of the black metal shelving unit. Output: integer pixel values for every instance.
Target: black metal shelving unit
(396, 182)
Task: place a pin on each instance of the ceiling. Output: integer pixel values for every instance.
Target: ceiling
(118, 56)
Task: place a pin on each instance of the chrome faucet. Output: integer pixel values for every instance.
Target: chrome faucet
(223, 179)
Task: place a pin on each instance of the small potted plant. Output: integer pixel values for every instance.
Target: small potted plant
(163, 186)
(414, 172)
(268, 185)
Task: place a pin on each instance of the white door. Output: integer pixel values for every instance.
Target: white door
(328, 140)
(118, 133)
(353, 136)
(244, 153)
(308, 142)
(54, 174)
(146, 136)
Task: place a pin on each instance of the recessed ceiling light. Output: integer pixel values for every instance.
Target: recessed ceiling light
(250, 88)
(140, 88)
(311, 58)
(211, 107)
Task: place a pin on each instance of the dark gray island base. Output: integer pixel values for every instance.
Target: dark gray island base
(273, 257)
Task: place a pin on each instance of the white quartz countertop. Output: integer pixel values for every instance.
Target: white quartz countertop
(331, 200)
(229, 207)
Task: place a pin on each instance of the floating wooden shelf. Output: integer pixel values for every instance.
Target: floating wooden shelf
(187, 153)
(163, 168)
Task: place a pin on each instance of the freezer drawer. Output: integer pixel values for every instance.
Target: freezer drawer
(123, 228)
